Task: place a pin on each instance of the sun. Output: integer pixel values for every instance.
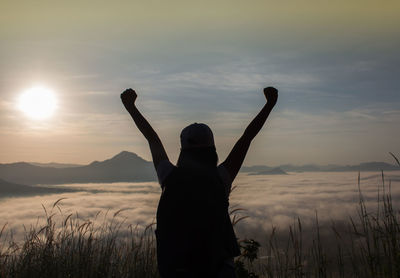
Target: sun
(37, 103)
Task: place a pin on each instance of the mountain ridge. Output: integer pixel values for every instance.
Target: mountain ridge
(273, 171)
(365, 166)
(129, 167)
(123, 167)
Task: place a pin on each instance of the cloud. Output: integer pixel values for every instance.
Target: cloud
(267, 200)
(239, 76)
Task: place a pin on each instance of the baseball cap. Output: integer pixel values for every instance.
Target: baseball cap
(197, 135)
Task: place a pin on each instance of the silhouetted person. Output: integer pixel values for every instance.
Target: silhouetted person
(195, 237)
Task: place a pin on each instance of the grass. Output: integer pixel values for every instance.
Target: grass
(80, 249)
(364, 246)
(368, 246)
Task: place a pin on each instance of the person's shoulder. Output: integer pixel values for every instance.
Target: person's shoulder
(164, 169)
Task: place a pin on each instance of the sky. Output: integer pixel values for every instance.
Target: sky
(336, 65)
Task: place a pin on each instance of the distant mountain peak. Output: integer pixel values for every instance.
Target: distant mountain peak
(123, 167)
(121, 158)
(125, 155)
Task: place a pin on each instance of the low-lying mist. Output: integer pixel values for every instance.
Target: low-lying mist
(268, 201)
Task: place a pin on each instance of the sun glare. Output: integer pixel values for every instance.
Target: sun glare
(38, 103)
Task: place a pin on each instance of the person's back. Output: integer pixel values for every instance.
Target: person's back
(194, 232)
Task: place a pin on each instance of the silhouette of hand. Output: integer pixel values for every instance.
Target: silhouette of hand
(128, 98)
(271, 94)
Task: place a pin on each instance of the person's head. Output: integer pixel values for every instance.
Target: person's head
(197, 146)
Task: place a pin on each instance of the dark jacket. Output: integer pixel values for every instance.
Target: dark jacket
(194, 231)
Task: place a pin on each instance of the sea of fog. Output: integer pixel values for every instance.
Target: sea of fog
(267, 200)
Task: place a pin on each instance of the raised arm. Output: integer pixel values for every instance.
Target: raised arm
(236, 157)
(158, 153)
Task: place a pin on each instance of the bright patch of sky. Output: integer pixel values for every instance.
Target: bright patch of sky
(336, 66)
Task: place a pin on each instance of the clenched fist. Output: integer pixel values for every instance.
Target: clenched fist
(128, 98)
(271, 94)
